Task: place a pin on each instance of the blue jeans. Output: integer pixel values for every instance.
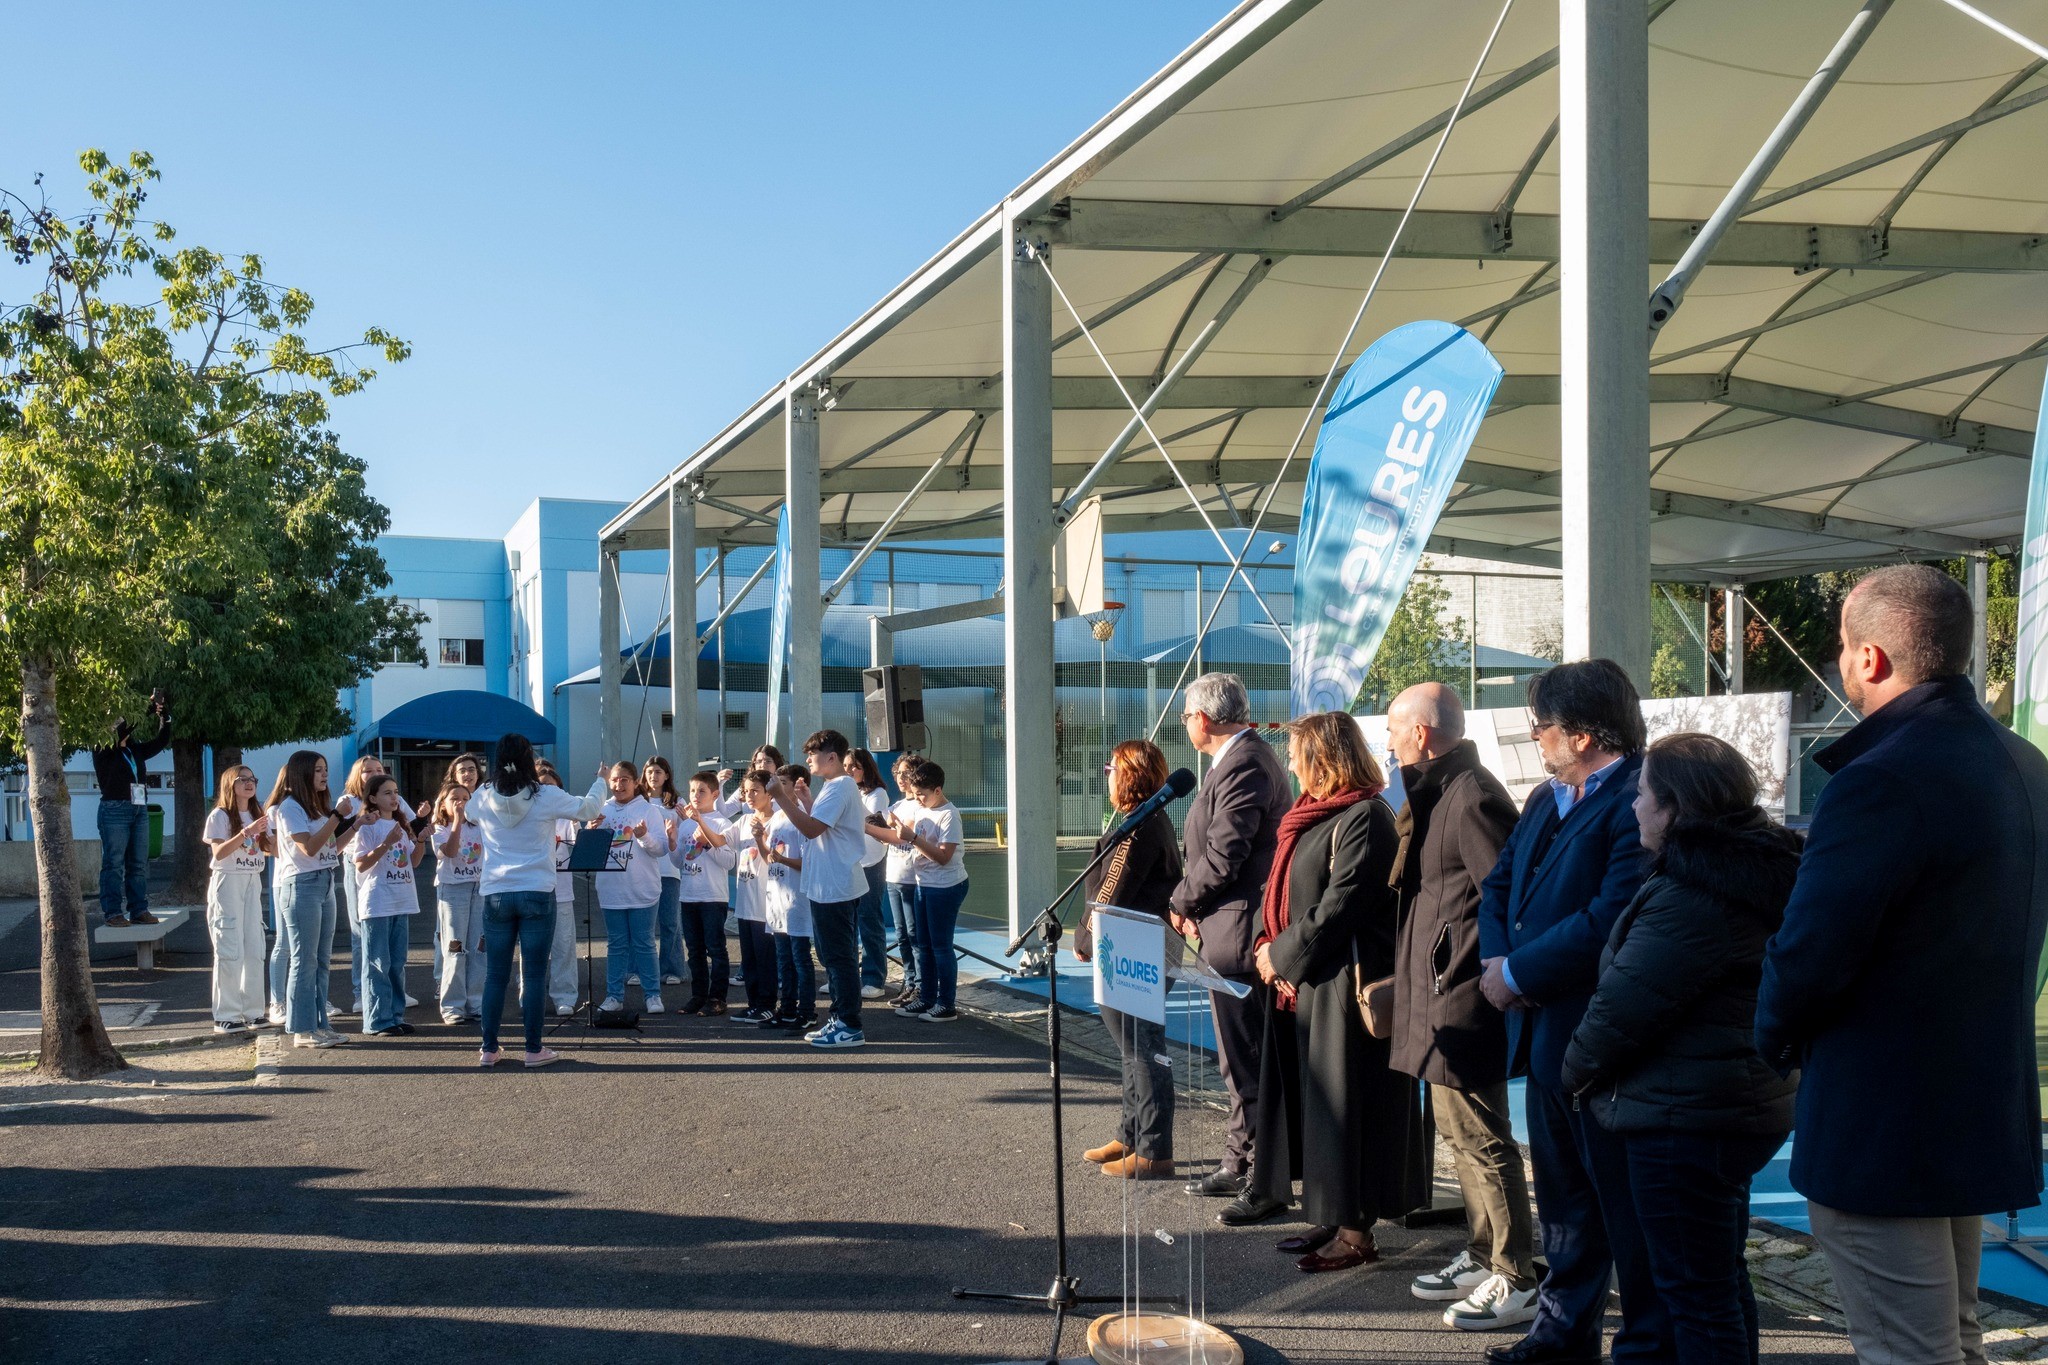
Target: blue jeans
(306, 915)
(1692, 1197)
(796, 981)
(710, 965)
(938, 971)
(527, 918)
(384, 939)
(874, 956)
(675, 935)
(629, 947)
(124, 857)
(834, 928)
(903, 907)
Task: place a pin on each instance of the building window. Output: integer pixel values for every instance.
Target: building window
(462, 653)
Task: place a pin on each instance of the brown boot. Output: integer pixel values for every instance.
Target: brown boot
(1108, 1151)
(1135, 1167)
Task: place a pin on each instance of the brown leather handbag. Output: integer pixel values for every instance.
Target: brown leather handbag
(1375, 1000)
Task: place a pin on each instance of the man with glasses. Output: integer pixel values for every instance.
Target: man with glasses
(1570, 868)
(1230, 836)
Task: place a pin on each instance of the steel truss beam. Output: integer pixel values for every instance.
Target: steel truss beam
(1143, 225)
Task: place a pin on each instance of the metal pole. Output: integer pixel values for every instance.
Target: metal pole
(1731, 620)
(685, 749)
(917, 489)
(806, 608)
(1664, 302)
(1472, 645)
(1980, 597)
(723, 713)
(718, 621)
(1603, 158)
(610, 712)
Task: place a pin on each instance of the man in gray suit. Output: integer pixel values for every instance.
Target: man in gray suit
(1230, 835)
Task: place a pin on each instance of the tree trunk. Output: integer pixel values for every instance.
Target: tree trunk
(75, 1043)
(228, 756)
(190, 860)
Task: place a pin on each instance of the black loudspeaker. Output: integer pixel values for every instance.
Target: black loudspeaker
(894, 701)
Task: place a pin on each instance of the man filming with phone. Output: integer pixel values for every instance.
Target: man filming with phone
(120, 769)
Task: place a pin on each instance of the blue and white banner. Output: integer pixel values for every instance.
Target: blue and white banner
(1130, 962)
(1391, 445)
(778, 628)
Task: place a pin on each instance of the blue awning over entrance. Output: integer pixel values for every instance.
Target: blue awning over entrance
(469, 717)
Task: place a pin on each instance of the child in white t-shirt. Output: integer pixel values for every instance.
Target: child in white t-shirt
(703, 857)
(458, 870)
(899, 885)
(933, 834)
(384, 854)
(750, 900)
(783, 849)
(629, 889)
(238, 837)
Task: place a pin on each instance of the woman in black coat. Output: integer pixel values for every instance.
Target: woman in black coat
(1331, 1111)
(1141, 876)
(1665, 1054)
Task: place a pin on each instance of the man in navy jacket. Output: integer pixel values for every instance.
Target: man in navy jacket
(1570, 868)
(1904, 978)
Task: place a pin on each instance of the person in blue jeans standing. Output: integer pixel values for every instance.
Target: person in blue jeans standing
(933, 835)
(120, 769)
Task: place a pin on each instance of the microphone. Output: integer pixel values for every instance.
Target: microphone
(1180, 784)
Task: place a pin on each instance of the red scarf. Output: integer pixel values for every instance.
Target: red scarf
(1304, 815)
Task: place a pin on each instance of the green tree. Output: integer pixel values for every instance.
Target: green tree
(1419, 646)
(258, 656)
(128, 370)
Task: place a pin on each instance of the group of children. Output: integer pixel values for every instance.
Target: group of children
(815, 854)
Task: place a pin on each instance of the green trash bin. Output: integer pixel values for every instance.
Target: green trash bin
(156, 831)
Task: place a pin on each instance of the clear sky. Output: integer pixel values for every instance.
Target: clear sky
(605, 227)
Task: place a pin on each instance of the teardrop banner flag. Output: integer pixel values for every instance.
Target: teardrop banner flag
(2030, 651)
(1390, 448)
(778, 627)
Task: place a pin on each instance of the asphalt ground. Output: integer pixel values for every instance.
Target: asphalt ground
(708, 1194)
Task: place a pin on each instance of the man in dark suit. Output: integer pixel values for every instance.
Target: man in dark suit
(1230, 834)
(1545, 911)
(1903, 980)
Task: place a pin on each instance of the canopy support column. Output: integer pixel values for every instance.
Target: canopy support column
(1735, 628)
(1604, 383)
(1030, 762)
(684, 750)
(806, 604)
(1980, 597)
(611, 717)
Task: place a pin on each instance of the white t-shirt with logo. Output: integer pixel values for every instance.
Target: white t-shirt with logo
(874, 802)
(788, 910)
(832, 870)
(750, 876)
(386, 887)
(463, 867)
(245, 861)
(701, 867)
(292, 861)
(940, 826)
(896, 867)
(565, 844)
(670, 820)
(632, 878)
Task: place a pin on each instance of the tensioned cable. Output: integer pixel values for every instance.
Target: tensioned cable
(1337, 362)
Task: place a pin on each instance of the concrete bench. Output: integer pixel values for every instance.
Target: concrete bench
(145, 937)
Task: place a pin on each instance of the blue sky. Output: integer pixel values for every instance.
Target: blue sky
(604, 227)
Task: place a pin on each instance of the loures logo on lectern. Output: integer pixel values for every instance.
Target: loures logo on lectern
(1125, 969)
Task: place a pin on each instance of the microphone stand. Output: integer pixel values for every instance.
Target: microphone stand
(1063, 1296)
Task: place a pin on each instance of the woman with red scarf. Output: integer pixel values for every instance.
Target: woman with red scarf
(1332, 1113)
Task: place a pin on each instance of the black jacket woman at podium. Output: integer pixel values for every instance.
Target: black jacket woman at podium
(1332, 1112)
(1139, 876)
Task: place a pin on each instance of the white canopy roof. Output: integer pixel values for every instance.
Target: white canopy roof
(1855, 376)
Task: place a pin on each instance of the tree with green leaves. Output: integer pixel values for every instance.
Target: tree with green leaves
(1419, 646)
(132, 371)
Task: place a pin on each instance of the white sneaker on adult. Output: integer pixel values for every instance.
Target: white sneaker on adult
(274, 1015)
(654, 1005)
(873, 992)
(1453, 1282)
(671, 980)
(1493, 1305)
(315, 1040)
(632, 978)
(410, 1002)
(612, 1005)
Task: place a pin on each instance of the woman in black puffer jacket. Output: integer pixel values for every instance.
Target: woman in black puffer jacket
(1664, 1055)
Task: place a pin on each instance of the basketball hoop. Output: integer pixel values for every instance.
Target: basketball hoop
(1102, 624)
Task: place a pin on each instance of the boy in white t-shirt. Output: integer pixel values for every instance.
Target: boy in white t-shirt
(933, 834)
(750, 898)
(832, 880)
(703, 855)
(384, 854)
(782, 850)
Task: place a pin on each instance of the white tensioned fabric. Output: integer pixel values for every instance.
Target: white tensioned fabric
(1854, 375)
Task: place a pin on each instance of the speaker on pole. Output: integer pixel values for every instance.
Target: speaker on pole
(893, 698)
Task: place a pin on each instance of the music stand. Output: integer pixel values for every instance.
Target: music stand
(592, 852)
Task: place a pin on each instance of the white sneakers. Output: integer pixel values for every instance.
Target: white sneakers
(612, 1005)
(654, 1005)
(671, 980)
(1453, 1282)
(315, 1039)
(1493, 1305)
(872, 992)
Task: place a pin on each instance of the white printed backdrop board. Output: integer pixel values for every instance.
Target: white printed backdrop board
(1759, 724)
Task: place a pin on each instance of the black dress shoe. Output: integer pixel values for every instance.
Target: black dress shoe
(1218, 1185)
(694, 1005)
(1315, 1239)
(1249, 1207)
(1529, 1351)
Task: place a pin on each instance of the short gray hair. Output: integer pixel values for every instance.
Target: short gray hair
(1919, 616)
(1221, 697)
